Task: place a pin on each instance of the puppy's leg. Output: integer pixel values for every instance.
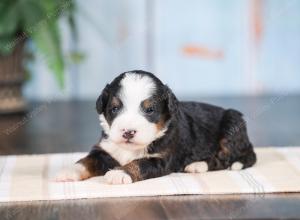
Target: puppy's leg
(137, 170)
(236, 151)
(97, 163)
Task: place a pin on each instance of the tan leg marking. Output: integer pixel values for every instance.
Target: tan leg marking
(134, 170)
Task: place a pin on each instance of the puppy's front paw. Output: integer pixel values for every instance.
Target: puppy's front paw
(76, 172)
(117, 177)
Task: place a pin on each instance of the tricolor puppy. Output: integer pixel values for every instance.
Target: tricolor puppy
(148, 133)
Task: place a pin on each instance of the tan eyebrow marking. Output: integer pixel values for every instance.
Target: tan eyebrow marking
(115, 102)
(147, 103)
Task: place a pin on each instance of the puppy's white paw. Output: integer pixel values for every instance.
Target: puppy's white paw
(75, 172)
(117, 177)
(237, 166)
(197, 167)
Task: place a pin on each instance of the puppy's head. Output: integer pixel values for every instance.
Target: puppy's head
(135, 109)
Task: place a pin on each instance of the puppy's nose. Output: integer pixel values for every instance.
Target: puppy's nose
(129, 134)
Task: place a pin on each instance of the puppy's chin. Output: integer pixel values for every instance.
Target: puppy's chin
(132, 145)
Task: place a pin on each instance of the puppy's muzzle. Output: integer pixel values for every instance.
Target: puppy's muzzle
(128, 134)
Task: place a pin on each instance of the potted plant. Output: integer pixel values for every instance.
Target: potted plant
(21, 22)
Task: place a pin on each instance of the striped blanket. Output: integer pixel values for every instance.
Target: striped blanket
(29, 177)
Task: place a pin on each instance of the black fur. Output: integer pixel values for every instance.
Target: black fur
(196, 132)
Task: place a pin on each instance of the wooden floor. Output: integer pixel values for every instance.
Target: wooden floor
(73, 126)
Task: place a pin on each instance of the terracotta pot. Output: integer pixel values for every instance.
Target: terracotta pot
(11, 80)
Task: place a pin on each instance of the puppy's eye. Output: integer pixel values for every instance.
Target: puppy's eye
(149, 110)
(115, 110)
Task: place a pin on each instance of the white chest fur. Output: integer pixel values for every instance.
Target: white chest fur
(124, 156)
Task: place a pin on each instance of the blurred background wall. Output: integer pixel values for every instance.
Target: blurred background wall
(197, 47)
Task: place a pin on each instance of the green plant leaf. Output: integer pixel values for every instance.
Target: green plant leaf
(9, 18)
(75, 57)
(33, 15)
(71, 19)
(6, 45)
(47, 40)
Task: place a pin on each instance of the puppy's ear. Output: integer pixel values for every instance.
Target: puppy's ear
(172, 101)
(102, 100)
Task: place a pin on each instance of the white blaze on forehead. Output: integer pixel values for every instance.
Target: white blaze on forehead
(135, 88)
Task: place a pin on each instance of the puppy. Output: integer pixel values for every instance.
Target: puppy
(148, 133)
